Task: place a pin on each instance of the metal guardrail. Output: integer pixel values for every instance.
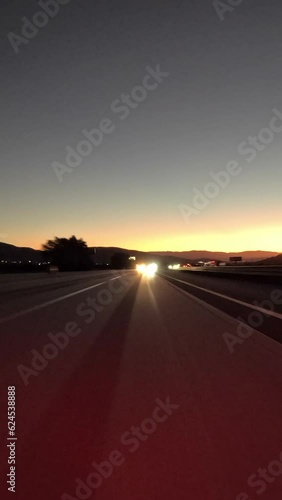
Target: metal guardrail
(264, 274)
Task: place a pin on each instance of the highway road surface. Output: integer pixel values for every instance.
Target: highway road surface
(136, 388)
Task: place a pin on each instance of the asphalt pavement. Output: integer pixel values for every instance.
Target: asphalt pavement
(139, 388)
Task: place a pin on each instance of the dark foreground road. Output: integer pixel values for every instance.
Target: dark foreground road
(127, 389)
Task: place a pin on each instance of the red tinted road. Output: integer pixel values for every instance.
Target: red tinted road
(148, 384)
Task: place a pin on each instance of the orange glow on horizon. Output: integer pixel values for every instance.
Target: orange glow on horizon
(259, 238)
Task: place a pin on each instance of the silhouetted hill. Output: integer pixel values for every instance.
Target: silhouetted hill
(195, 255)
(104, 254)
(272, 261)
(13, 253)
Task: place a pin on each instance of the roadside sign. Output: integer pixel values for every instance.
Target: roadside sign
(235, 259)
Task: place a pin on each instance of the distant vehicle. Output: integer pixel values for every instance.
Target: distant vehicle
(53, 269)
(187, 265)
(174, 266)
(211, 263)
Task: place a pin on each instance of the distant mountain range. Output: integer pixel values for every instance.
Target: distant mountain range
(101, 255)
(104, 254)
(196, 255)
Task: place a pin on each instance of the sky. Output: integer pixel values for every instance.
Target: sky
(144, 183)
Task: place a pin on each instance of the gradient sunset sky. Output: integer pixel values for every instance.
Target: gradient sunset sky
(224, 81)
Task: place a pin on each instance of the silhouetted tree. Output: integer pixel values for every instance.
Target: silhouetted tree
(69, 254)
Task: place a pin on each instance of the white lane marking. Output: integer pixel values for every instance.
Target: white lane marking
(50, 302)
(262, 339)
(267, 312)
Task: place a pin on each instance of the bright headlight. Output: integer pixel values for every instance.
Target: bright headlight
(148, 270)
(151, 270)
(141, 268)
